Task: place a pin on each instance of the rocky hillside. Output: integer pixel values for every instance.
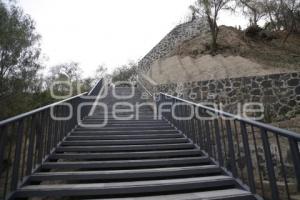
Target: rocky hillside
(238, 55)
(266, 48)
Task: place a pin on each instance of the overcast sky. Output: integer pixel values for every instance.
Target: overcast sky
(110, 32)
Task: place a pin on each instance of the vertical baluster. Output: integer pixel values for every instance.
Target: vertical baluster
(257, 161)
(233, 167)
(248, 157)
(40, 137)
(7, 179)
(213, 140)
(239, 150)
(296, 159)
(223, 138)
(209, 142)
(181, 121)
(200, 133)
(3, 143)
(218, 141)
(270, 166)
(16, 164)
(27, 122)
(31, 145)
(283, 168)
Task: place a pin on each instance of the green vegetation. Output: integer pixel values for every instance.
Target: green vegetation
(278, 16)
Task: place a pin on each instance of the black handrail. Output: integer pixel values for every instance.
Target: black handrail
(27, 140)
(97, 88)
(240, 146)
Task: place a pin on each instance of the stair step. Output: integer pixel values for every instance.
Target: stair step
(167, 162)
(126, 155)
(118, 137)
(125, 148)
(154, 125)
(127, 121)
(128, 174)
(229, 194)
(125, 142)
(120, 132)
(123, 128)
(125, 188)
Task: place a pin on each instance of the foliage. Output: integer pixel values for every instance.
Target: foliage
(209, 9)
(19, 60)
(124, 73)
(254, 9)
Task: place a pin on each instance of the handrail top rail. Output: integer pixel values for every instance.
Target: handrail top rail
(280, 131)
(91, 91)
(138, 80)
(18, 117)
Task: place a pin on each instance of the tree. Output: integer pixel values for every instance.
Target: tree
(253, 8)
(124, 73)
(210, 10)
(20, 82)
(67, 72)
(19, 50)
(101, 72)
(283, 15)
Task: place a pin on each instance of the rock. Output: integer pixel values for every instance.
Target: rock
(266, 84)
(293, 82)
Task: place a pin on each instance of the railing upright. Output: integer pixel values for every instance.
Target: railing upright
(27, 140)
(257, 155)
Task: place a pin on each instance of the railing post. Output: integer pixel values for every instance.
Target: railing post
(200, 133)
(233, 167)
(218, 141)
(248, 157)
(17, 157)
(270, 166)
(3, 139)
(209, 143)
(296, 160)
(30, 146)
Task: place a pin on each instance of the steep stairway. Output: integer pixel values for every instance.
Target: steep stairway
(139, 159)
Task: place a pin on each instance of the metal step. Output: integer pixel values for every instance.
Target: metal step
(153, 173)
(125, 142)
(126, 121)
(125, 188)
(120, 132)
(126, 155)
(124, 164)
(124, 128)
(229, 194)
(119, 137)
(125, 148)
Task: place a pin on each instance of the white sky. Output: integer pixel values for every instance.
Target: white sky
(112, 32)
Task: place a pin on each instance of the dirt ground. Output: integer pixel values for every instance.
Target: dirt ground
(237, 56)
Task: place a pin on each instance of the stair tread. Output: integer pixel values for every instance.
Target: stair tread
(126, 187)
(147, 147)
(118, 155)
(128, 174)
(216, 194)
(111, 137)
(133, 132)
(126, 141)
(129, 163)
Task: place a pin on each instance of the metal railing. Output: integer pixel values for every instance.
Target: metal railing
(27, 140)
(264, 159)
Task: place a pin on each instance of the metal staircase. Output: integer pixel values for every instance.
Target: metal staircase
(137, 158)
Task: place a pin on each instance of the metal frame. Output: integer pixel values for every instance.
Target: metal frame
(27, 140)
(238, 145)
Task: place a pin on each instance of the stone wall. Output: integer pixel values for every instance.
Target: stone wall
(179, 34)
(280, 93)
